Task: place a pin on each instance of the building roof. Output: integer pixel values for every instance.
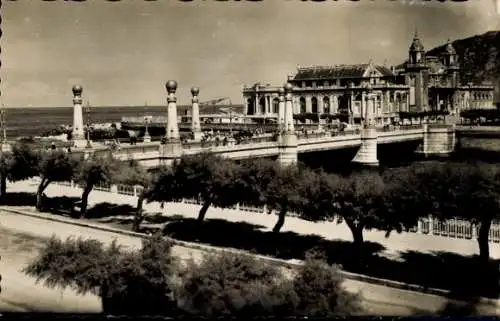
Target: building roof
(338, 71)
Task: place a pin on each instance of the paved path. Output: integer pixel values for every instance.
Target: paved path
(20, 291)
(394, 244)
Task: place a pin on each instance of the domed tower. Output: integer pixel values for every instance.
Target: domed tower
(417, 75)
(450, 60)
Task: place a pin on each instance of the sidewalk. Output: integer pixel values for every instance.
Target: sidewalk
(394, 244)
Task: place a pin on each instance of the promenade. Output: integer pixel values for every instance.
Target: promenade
(394, 244)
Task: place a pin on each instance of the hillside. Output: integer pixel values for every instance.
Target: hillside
(479, 58)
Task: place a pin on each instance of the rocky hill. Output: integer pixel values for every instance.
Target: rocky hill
(479, 58)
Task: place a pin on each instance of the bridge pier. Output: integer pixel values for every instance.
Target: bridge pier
(439, 140)
(288, 149)
(367, 153)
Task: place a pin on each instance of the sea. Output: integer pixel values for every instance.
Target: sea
(25, 122)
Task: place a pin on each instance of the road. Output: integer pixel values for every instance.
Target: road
(20, 293)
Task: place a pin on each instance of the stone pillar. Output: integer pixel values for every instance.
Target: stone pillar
(172, 133)
(195, 114)
(321, 108)
(363, 108)
(147, 137)
(308, 104)
(367, 153)
(334, 105)
(289, 109)
(288, 140)
(78, 135)
(281, 110)
(172, 146)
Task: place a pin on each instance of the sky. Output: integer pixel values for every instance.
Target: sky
(122, 53)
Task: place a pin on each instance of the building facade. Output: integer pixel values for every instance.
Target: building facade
(370, 91)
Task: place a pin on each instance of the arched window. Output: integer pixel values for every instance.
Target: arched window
(314, 104)
(302, 105)
(250, 107)
(276, 103)
(326, 105)
(262, 105)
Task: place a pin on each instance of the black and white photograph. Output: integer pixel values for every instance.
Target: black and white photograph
(275, 158)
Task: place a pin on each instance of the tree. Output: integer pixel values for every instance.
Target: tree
(138, 282)
(449, 190)
(212, 179)
(357, 199)
(92, 171)
(16, 165)
(255, 176)
(133, 174)
(54, 166)
(284, 192)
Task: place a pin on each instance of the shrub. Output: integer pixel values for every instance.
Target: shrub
(229, 284)
(318, 287)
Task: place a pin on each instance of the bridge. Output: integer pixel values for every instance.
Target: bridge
(285, 144)
(153, 154)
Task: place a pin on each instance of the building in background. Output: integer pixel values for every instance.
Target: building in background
(423, 83)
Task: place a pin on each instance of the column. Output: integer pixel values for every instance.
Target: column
(172, 133)
(281, 109)
(334, 105)
(289, 108)
(78, 135)
(363, 108)
(308, 104)
(288, 140)
(195, 114)
(321, 109)
(172, 147)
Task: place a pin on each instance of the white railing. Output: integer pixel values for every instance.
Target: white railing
(454, 228)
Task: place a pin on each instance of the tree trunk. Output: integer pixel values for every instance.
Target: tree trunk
(203, 211)
(483, 240)
(281, 221)
(138, 214)
(357, 234)
(3, 187)
(39, 194)
(85, 200)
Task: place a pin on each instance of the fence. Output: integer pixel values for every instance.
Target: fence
(453, 228)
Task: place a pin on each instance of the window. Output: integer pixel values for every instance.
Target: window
(314, 103)
(302, 105)
(326, 105)
(276, 103)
